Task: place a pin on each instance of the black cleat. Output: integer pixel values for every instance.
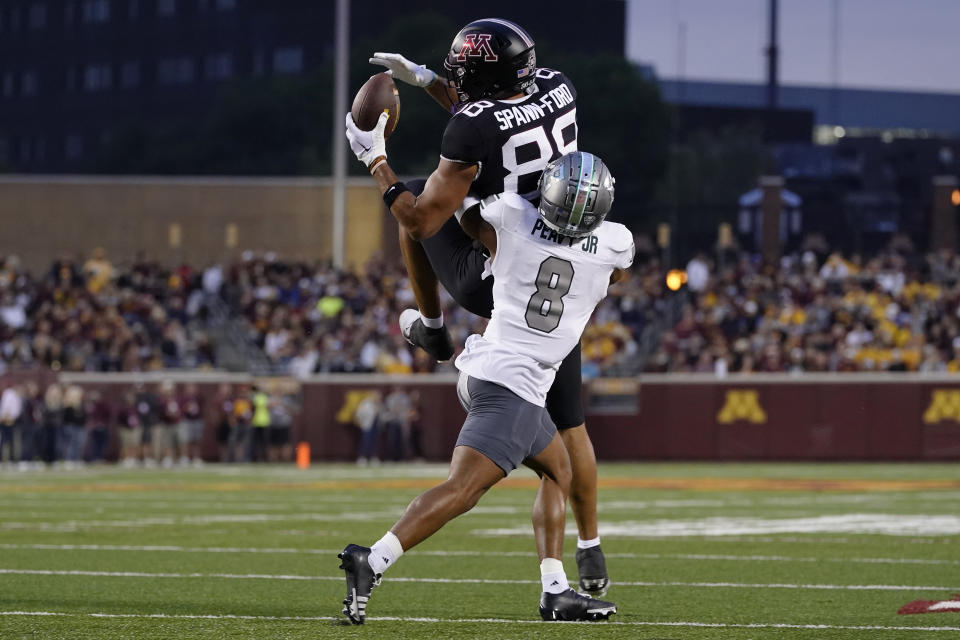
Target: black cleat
(435, 342)
(360, 581)
(593, 571)
(571, 605)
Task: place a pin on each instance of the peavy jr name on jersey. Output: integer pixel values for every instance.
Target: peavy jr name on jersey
(511, 141)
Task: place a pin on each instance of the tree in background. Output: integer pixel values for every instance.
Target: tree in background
(622, 119)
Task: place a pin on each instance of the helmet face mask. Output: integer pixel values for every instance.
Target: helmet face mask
(490, 58)
(576, 194)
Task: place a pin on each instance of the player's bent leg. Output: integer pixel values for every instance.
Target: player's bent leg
(434, 340)
(565, 405)
(591, 564)
(550, 506)
(459, 262)
(583, 484)
(471, 475)
(558, 601)
(422, 278)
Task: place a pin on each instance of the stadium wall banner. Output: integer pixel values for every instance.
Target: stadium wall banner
(655, 417)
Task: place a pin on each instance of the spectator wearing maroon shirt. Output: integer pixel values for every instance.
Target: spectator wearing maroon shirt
(130, 429)
(190, 429)
(74, 427)
(31, 425)
(165, 431)
(225, 420)
(147, 410)
(98, 426)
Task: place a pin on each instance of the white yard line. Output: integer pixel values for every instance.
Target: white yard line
(484, 554)
(262, 576)
(188, 500)
(932, 525)
(871, 523)
(74, 525)
(638, 623)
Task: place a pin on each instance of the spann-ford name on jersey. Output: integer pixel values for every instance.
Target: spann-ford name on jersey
(511, 141)
(545, 288)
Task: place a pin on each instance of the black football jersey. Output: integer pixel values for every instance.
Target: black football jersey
(511, 141)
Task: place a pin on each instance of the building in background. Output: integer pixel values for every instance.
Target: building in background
(75, 72)
(864, 161)
(837, 112)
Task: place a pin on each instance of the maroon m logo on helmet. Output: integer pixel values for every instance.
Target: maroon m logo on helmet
(477, 45)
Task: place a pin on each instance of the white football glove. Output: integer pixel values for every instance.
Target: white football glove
(368, 145)
(404, 70)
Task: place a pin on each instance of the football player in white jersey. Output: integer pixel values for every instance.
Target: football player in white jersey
(509, 118)
(552, 265)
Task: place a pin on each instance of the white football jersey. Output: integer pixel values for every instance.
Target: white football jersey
(545, 289)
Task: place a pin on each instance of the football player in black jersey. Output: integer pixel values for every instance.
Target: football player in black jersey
(510, 119)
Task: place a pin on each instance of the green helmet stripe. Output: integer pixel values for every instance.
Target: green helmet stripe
(576, 214)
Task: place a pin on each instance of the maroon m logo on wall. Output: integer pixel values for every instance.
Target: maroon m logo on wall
(477, 45)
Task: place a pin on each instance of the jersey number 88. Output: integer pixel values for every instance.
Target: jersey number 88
(548, 150)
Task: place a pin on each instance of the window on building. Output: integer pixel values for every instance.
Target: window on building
(25, 149)
(258, 62)
(97, 77)
(37, 16)
(8, 84)
(166, 7)
(176, 71)
(218, 66)
(73, 146)
(14, 18)
(96, 11)
(130, 74)
(226, 5)
(288, 60)
(133, 10)
(28, 83)
(40, 149)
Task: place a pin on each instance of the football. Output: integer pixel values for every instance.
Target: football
(378, 94)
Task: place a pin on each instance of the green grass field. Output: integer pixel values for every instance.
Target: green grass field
(695, 551)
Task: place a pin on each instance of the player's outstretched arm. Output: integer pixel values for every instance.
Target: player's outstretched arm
(445, 190)
(417, 75)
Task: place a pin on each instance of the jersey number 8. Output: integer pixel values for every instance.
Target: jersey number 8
(546, 304)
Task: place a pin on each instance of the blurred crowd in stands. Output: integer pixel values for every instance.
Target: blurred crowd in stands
(815, 310)
(92, 316)
(316, 319)
(161, 425)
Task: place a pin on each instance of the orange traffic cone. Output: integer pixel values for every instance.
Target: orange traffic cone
(303, 455)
